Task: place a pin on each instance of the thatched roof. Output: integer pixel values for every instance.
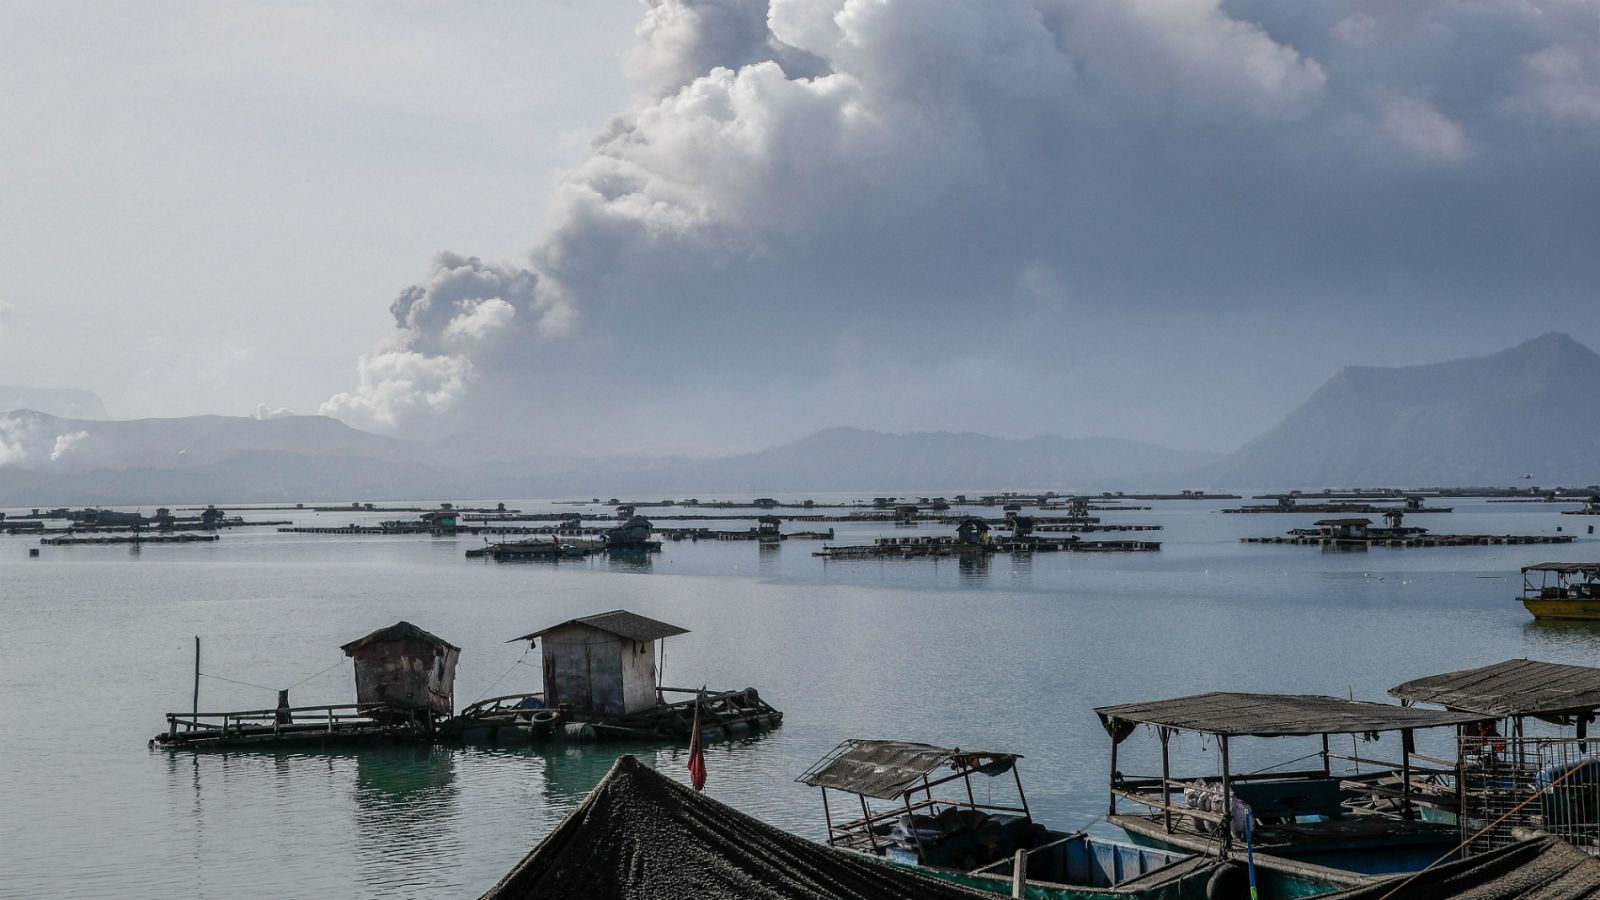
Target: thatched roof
(642, 836)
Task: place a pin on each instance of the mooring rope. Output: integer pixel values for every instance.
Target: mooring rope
(318, 675)
(503, 675)
(237, 681)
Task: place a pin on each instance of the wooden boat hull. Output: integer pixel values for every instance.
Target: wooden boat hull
(1570, 610)
(1312, 866)
(1078, 867)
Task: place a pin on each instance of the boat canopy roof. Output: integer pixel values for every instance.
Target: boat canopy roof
(644, 836)
(619, 622)
(887, 769)
(1226, 713)
(1516, 687)
(1544, 866)
(1343, 522)
(1565, 568)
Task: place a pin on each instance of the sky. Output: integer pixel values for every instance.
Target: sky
(703, 226)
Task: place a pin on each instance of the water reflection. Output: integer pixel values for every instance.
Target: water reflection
(630, 561)
(974, 569)
(768, 559)
(1567, 635)
(406, 815)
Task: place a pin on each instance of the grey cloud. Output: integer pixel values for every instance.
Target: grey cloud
(866, 212)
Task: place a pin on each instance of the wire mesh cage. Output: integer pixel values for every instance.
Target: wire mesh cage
(1514, 784)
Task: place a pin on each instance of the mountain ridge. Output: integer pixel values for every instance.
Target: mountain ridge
(54, 460)
(1479, 420)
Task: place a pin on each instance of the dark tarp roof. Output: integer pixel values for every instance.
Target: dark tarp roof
(619, 622)
(1568, 568)
(399, 631)
(1343, 522)
(887, 769)
(1274, 715)
(640, 836)
(1516, 687)
(1544, 868)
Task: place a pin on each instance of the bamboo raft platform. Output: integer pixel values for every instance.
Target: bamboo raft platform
(513, 719)
(709, 534)
(130, 539)
(516, 550)
(348, 723)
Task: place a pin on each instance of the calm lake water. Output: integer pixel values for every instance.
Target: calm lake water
(1008, 655)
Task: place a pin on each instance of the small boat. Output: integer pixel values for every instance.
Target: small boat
(950, 834)
(1562, 591)
(1311, 829)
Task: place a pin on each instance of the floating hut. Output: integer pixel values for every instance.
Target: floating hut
(602, 680)
(405, 692)
(405, 673)
(604, 665)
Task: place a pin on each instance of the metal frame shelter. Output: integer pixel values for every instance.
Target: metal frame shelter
(1225, 715)
(896, 770)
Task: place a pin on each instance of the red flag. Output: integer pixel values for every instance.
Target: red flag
(697, 756)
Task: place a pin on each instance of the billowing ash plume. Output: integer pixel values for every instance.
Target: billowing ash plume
(891, 210)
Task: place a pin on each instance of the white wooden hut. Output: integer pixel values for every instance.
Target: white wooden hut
(602, 665)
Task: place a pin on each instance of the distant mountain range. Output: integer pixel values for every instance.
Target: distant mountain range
(69, 403)
(1490, 420)
(48, 460)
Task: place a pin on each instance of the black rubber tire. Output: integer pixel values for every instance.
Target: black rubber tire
(1229, 882)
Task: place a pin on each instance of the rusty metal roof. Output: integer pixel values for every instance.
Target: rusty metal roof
(1516, 687)
(619, 622)
(1274, 715)
(887, 769)
(1567, 568)
(399, 631)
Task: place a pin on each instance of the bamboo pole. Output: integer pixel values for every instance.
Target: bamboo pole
(195, 711)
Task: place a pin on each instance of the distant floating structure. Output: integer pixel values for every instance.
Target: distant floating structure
(1353, 533)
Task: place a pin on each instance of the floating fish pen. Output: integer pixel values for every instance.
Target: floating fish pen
(1073, 528)
(542, 549)
(1290, 503)
(130, 539)
(632, 536)
(385, 528)
(766, 531)
(914, 548)
(601, 677)
(1362, 533)
(405, 690)
(1591, 507)
(1184, 495)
